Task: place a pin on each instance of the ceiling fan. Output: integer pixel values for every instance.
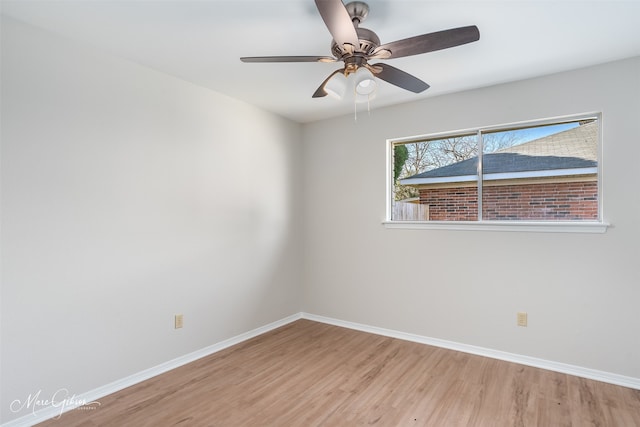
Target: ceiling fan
(356, 46)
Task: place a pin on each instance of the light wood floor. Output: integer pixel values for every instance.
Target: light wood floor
(313, 374)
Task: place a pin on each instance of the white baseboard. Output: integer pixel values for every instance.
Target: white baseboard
(564, 368)
(95, 394)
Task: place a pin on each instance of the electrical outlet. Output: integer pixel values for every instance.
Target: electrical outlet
(522, 319)
(179, 321)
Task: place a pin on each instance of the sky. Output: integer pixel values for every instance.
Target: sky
(529, 134)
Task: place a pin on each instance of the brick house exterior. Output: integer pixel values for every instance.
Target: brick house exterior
(535, 202)
(551, 178)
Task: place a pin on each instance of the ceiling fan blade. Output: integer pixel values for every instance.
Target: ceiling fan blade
(430, 42)
(338, 21)
(288, 59)
(320, 92)
(399, 78)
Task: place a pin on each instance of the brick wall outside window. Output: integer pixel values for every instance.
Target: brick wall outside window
(451, 204)
(536, 202)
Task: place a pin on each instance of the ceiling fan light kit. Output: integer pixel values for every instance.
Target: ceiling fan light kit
(336, 86)
(362, 85)
(364, 82)
(355, 46)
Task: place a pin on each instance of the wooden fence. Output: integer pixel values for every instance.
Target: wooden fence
(410, 212)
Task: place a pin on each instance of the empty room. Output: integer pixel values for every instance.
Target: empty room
(320, 213)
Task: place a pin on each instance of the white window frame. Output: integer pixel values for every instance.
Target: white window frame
(584, 226)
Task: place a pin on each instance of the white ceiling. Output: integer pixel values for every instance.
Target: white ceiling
(201, 42)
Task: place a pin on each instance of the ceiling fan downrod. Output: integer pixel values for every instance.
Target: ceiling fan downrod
(358, 11)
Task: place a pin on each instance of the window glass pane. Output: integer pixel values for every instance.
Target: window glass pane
(436, 180)
(542, 173)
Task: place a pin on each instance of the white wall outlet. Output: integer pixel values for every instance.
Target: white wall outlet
(178, 321)
(522, 319)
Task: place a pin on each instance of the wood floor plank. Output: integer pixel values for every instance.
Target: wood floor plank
(311, 374)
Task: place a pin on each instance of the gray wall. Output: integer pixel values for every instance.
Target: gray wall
(581, 291)
(129, 196)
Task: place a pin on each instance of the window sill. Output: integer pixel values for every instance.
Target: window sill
(527, 226)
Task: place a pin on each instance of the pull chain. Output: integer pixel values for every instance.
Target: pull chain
(355, 108)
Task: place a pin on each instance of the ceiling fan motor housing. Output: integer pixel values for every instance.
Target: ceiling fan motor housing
(368, 42)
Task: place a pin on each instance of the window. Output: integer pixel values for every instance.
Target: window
(544, 172)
